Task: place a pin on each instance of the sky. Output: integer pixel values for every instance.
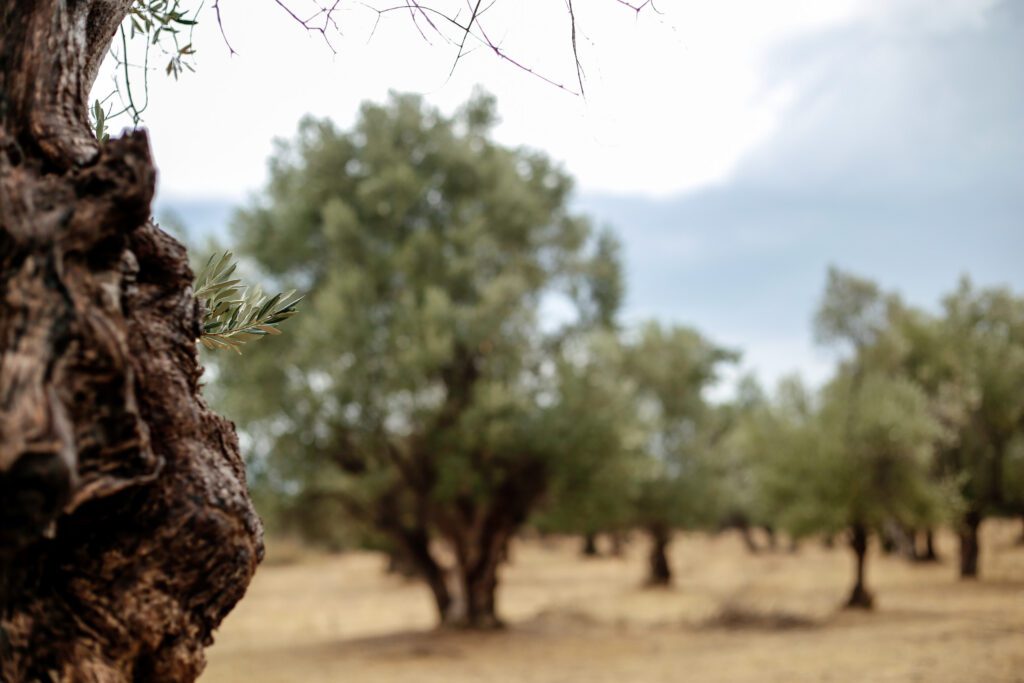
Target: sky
(738, 147)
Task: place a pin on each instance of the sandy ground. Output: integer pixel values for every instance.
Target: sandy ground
(573, 620)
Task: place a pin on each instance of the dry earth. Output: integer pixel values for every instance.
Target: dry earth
(770, 618)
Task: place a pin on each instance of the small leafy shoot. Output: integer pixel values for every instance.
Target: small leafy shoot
(100, 122)
(234, 313)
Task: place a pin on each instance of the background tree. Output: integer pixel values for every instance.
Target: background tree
(854, 461)
(741, 467)
(984, 368)
(595, 497)
(969, 362)
(422, 372)
(670, 369)
(863, 458)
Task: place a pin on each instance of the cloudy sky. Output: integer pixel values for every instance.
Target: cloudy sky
(738, 147)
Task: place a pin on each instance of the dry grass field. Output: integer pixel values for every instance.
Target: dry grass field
(770, 618)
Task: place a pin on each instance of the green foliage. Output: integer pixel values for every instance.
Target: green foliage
(99, 118)
(234, 314)
(981, 374)
(864, 452)
(853, 310)
(597, 494)
(423, 384)
(161, 24)
(164, 24)
(671, 369)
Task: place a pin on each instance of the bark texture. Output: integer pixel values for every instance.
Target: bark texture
(126, 532)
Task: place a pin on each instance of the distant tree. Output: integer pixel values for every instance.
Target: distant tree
(970, 363)
(983, 367)
(1013, 480)
(598, 499)
(423, 387)
(741, 467)
(863, 459)
(852, 461)
(670, 369)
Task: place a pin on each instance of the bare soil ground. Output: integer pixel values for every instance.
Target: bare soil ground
(770, 618)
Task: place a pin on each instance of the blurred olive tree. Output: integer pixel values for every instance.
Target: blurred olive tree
(440, 381)
(670, 370)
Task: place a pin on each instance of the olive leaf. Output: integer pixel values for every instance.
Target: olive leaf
(234, 313)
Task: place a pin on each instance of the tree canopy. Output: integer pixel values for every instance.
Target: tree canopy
(425, 386)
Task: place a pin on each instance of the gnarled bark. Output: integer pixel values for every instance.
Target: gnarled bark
(126, 532)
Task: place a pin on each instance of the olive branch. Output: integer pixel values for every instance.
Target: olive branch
(235, 313)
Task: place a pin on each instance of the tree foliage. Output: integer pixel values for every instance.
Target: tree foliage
(670, 370)
(424, 388)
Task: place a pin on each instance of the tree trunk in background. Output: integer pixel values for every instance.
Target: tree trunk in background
(969, 544)
(475, 575)
(928, 553)
(659, 571)
(748, 539)
(400, 564)
(479, 590)
(126, 532)
(480, 535)
(589, 545)
(860, 597)
(888, 543)
(618, 539)
(414, 544)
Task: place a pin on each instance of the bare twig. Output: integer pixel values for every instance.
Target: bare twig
(431, 17)
(575, 51)
(220, 25)
(310, 26)
(638, 8)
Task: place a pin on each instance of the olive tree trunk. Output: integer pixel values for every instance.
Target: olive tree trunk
(126, 532)
(589, 548)
(928, 553)
(970, 546)
(659, 570)
(860, 596)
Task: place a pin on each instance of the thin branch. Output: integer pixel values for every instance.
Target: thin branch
(514, 62)
(135, 111)
(309, 26)
(472, 28)
(465, 35)
(575, 51)
(638, 8)
(220, 25)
